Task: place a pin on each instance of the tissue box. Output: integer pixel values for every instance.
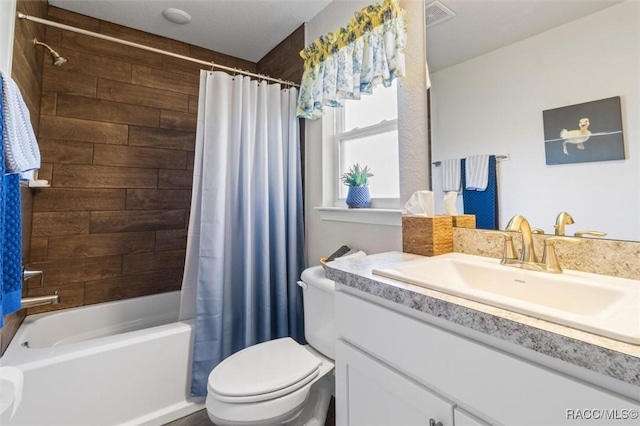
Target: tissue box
(464, 221)
(427, 236)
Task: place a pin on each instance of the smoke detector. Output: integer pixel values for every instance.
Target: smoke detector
(436, 12)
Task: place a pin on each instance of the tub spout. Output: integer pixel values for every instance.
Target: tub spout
(30, 302)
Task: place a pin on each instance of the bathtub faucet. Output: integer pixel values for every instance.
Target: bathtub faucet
(28, 273)
(30, 302)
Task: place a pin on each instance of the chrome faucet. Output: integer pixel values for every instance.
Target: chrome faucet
(563, 219)
(518, 223)
(30, 302)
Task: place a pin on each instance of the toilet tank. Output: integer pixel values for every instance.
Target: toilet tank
(318, 297)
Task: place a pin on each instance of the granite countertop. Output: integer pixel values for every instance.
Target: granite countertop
(596, 353)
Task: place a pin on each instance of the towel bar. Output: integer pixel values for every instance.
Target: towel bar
(504, 157)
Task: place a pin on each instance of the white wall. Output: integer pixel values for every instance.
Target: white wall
(493, 105)
(7, 25)
(323, 237)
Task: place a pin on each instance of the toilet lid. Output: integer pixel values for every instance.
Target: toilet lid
(263, 368)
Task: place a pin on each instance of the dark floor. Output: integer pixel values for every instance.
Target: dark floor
(200, 418)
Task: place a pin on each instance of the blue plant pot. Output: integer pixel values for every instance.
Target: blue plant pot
(358, 197)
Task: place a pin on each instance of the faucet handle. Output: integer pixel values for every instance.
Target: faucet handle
(595, 234)
(28, 273)
(549, 257)
(509, 252)
(561, 238)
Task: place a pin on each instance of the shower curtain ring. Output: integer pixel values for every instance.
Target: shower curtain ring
(213, 65)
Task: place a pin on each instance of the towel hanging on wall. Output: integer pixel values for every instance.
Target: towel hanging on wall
(10, 230)
(477, 172)
(483, 204)
(21, 152)
(451, 175)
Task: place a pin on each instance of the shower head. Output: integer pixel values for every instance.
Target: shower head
(57, 59)
(55, 56)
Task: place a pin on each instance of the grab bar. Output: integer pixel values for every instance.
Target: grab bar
(28, 273)
(30, 302)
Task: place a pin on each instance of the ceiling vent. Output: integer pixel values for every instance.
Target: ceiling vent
(436, 13)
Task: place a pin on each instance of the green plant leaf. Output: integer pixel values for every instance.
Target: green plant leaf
(356, 176)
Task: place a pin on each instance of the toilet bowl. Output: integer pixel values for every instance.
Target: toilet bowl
(281, 382)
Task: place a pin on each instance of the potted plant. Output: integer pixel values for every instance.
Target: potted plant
(357, 179)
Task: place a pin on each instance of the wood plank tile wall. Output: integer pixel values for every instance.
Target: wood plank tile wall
(117, 133)
(27, 73)
(284, 60)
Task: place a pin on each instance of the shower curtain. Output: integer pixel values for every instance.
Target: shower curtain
(245, 240)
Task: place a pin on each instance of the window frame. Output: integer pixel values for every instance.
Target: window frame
(356, 133)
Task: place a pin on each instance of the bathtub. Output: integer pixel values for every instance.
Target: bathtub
(116, 363)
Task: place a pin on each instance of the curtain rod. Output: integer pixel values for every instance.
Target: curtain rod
(152, 49)
(505, 157)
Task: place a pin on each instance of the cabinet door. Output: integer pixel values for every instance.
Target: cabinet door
(504, 388)
(369, 393)
(462, 418)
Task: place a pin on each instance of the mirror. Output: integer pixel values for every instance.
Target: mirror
(497, 65)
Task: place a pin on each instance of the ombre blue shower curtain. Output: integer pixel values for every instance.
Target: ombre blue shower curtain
(245, 245)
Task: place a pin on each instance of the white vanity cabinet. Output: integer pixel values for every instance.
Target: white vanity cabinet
(394, 370)
(375, 395)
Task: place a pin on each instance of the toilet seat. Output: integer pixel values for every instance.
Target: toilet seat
(263, 372)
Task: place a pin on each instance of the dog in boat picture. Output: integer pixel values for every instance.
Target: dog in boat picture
(586, 132)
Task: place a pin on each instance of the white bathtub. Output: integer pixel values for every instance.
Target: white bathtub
(118, 363)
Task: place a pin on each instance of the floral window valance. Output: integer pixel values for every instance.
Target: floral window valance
(353, 60)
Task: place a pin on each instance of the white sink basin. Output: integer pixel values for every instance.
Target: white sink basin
(600, 304)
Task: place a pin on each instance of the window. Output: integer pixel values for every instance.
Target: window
(367, 133)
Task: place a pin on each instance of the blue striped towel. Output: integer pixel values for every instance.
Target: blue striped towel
(477, 172)
(21, 152)
(451, 175)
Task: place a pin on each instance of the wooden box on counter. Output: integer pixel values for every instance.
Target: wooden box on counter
(427, 236)
(464, 221)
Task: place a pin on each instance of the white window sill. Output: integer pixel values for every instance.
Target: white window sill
(388, 217)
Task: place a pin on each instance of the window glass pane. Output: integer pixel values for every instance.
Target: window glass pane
(380, 153)
(371, 109)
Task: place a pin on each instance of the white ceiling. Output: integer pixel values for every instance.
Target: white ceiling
(249, 29)
(481, 26)
(246, 29)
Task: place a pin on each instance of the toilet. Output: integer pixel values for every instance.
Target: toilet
(281, 382)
